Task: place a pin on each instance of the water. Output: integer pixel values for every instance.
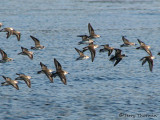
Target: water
(95, 91)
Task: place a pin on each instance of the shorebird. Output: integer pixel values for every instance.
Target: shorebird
(145, 47)
(9, 81)
(91, 47)
(46, 71)
(60, 72)
(9, 31)
(91, 33)
(81, 55)
(126, 42)
(149, 59)
(117, 57)
(25, 78)
(85, 40)
(26, 52)
(107, 48)
(37, 44)
(5, 58)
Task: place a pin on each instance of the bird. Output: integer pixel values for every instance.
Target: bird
(126, 42)
(5, 58)
(81, 55)
(37, 44)
(17, 34)
(25, 78)
(26, 52)
(91, 47)
(117, 57)
(107, 48)
(145, 47)
(91, 32)
(9, 81)
(60, 72)
(9, 31)
(46, 71)
(85, 40)
(149, 59)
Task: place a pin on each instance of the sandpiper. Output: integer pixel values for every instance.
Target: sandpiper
(149, 59)
(60, 72)
(81, 55)
(25, 78)
(46, 71)
(5, 58)
(26, 52)
(126, 42)
(9, 81)
(118, 56)
(37, 44)
(107, 48)
(85, 40)
(91, 32)
(145, 47)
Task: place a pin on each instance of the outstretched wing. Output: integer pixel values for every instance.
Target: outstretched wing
(37, 42)
(90, 29)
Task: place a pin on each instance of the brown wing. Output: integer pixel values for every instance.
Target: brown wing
(93, 52)
(37, 42)
(90, 29)
(4, 55)
(57, 65)
(62, 77)
(79, 52)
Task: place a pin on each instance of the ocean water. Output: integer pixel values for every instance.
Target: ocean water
(95, 90)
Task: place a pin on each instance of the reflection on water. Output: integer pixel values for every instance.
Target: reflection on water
(95, 90)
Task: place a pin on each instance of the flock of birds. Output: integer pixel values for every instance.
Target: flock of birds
(86, 39)
(48, 72)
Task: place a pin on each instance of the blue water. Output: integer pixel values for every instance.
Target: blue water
(94, 91)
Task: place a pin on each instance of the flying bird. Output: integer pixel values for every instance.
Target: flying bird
(117, 57)
(145, 47)
(81, 55)
(37, 44)
(107, 48)
(60, 72)
(149, 59)
(126, 42)
(25, 78)
(5, 58)
(26, 52)
(9, 81)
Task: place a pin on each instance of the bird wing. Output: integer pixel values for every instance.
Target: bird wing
(90, 29)
(79, 52)
(62, 77)
(4, 55)
(150, 62)
(37, 42)
(93, 52)
(57, 65)
(126, 41)
(117, 61)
